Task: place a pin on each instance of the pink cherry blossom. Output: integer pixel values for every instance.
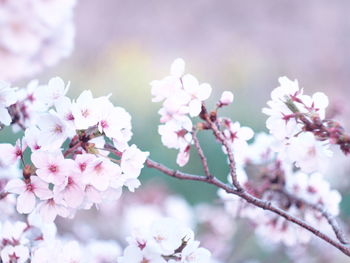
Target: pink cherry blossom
(49, 209)
(53, 131)
(28, 191)
(51, 166)
(10, 154)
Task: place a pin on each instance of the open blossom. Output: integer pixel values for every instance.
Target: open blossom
(7, 98)
(53, 131)
(182, 93)
(49, 209)
(53, 91)
(288, 99)
(237, 137)
(52, 167)
(85, 111)
(176, 133)
(132, 161)
(33, 35)
(197, 92)
(18, 254)
(165, 238)
(10, 154)
(27, 192)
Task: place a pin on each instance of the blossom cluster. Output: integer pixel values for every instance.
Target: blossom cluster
(278, 182)
(58, 180)
(165, 240)
(283, 167)
(287, 105)
(34, 34)
(182, 97)
(38, 242)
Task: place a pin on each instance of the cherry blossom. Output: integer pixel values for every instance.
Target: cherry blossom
(27, 192)
(34, 35)
(52, 167)
(10, 154)
(18, 254)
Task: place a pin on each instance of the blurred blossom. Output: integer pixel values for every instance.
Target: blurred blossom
(34, 34)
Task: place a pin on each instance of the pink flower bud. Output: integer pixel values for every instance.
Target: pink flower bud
(226, 98)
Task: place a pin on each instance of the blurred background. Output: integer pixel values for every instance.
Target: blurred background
(241, 46)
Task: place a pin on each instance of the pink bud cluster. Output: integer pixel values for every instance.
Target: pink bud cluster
(34, 34)
(59, 180)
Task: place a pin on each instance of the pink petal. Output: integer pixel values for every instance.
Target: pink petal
(48, 211)
(39, 159)
(204, 91)
(92, 194)
(74, 196)
(41, 188)
(16, 186)
(26, 202)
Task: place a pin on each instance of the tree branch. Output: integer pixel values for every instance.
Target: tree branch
(201, 154)
(328, 216)
(250, 199)
(232, 163)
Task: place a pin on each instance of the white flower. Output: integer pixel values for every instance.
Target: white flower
(176, 133)
(18, 254)
(198, 93)
(53, 131)
(51, 166)
(10, 154)
(55, 90)
(27, 192)
(85, 111)
(132, 162)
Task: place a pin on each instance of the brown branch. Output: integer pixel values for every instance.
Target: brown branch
(201, 154)
(327, 215)
(232, 163)
(185, 176)
(250, 199)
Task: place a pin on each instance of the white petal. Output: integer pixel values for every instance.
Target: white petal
(16, 186)
(26, 202)
(177, 68)
(204, 91)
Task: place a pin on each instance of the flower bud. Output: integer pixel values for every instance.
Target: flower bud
(226, 98)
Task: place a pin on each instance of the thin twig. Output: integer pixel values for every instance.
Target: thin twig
(201, 154)
(232, 163)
